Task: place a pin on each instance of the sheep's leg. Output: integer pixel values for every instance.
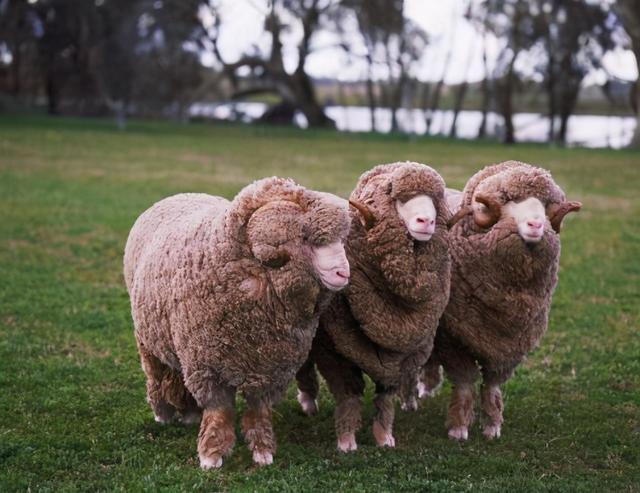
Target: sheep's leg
(431, 379)
(258, 431)
(460, 414)
(308, 387)
(175, 393)
(491, 400)
(346, 384)
(462, 370)
(156, 371)
(348, 420)
(217, 430)
(383, 421)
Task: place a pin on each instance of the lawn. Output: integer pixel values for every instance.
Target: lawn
(73, 415)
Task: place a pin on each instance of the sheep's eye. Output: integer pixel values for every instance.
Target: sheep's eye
(277, 261)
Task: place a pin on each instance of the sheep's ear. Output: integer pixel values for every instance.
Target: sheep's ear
(366, 216)
(556, 212)
(494, 211)
(462, 212)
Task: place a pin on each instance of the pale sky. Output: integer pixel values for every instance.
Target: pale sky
(242, 32)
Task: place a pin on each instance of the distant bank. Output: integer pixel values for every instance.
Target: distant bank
(583, 130)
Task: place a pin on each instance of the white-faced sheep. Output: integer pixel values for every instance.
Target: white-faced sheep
(226, 297)
(384, 323)
(505, 252)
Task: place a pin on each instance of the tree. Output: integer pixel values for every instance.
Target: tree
(118, 53)
(144, 56)
(629, 14)
(402, 50)
(575, 35)
(268, 69)
(510, 20)
(62, 33)
(378, 21)
(434, 102)
(462, 89)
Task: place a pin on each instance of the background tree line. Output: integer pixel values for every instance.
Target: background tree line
(144, 57)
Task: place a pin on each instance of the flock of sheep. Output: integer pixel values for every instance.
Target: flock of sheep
(405, 279)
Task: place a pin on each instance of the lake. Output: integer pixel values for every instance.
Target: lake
(583, 130)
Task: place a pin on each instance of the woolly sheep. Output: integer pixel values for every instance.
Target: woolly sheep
(384, 323)
(505, 252)
(225, 298)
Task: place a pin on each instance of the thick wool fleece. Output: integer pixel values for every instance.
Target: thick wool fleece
(385, 321)
(213, 296)
(501, 287)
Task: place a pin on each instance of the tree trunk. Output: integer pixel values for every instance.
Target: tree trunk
(551, 100)
(16, 67)
(435, 104)
(371, 97)
(629, 13)
(635, 141)
(506, 101)
(460, 95)
(486, 93)
(305, 100)
(52, 93)
(569, 99)
(393, 90)
(462, 92)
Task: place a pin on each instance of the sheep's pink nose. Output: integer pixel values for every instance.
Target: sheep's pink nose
(535, 224)
(424, 225)
(344, 273)
(424, 220)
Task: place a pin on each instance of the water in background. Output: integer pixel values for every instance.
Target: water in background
(583, 130)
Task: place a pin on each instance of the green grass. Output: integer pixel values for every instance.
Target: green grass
(73, 415)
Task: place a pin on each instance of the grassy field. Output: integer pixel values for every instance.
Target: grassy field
(73, 415)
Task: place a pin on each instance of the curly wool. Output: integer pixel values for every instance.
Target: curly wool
(501, 287)
(205, 301)
(386, 320)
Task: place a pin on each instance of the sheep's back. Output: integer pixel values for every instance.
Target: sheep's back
(177, 217)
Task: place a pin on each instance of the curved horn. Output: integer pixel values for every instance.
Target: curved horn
(366, 216)
(278, 260)
(462, 212)
(557, 213)
(494, 211)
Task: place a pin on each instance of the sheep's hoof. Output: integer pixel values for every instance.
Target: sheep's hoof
(262, 457)
(383, 437)
(424, 391)
(459, 433)
(491, 431)
(410, 405)
(308, 404)
(347, 442)
(191, 418)
(213, 462)
(162, 419)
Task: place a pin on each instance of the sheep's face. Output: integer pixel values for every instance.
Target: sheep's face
(282, 232)
(521, 192)
(331, 265)
(419, 216)
(325, 230)
(529, 216)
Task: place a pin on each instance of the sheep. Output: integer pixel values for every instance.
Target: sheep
(225, 298)
(384, 323)
(505, 251)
